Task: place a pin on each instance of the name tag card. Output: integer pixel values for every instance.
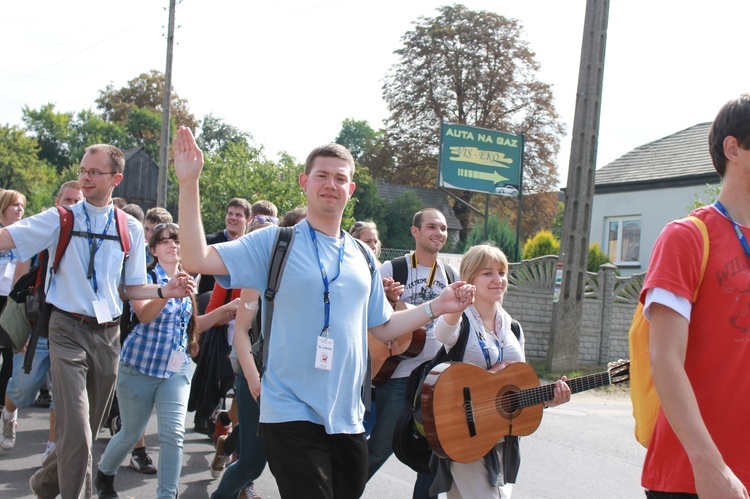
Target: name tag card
(101, 309)
(324, 353)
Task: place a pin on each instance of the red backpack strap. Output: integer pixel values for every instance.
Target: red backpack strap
(66, 226)
(122, 229)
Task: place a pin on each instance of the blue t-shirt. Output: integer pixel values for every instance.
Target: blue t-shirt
(292, 388)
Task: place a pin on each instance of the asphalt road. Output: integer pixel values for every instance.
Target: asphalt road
(584, 449)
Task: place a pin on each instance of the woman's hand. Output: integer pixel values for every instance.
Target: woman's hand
(562, 393)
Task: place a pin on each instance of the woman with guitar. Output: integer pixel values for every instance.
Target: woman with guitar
(490, 342)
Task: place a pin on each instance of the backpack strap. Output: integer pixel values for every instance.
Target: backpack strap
(449, 275)
(457, 352)
(400, 269)
(66, 228)
(370, 263)
(67, 221)
(704, 233)
(515, 326)
(281, 247)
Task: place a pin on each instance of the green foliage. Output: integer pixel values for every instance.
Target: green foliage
(499, 232)
(395, 229)
(557, 223)
(241, 171)
(357, 136)
(366, 203)
(541, 244)
(216, 135)
(23, 171)
(710, 193)
(596, 257)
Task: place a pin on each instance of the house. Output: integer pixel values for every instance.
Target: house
(636, 195)
(140, 182)
(431, 198)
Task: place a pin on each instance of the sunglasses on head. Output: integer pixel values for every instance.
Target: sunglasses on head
(261, 219)
(357, 225)
(159, 227)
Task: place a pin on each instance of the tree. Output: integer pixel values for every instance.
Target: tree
(474, 68)
(53, 133)
(23, 171)
(241, 171)
(217, 136)
(357, 136)
(145, 91)
(498, 232)
(396, 233)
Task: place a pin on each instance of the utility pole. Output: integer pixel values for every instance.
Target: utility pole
(564, 344)
(161, 191)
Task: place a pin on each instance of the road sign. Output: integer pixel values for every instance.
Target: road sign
(481, 160)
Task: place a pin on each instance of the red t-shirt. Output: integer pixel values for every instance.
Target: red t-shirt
(718, 349)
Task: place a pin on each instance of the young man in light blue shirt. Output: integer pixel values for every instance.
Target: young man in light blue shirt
(311, 407)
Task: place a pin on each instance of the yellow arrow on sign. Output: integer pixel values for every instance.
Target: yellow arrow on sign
(491, 176)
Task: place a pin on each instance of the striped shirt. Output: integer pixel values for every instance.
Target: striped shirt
(148, 346)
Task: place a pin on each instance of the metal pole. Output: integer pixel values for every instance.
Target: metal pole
(161, 191)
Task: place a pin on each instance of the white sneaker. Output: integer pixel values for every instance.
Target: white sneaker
(9, 434)
(248, 493)
(48, 451)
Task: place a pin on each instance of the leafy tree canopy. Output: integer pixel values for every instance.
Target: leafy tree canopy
(498, 232)
(23, 171)
(474, 68)
(217, 136)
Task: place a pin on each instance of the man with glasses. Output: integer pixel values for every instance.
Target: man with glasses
(86, 308)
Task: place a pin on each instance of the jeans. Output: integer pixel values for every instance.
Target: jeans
(252, 453)
(138, 394)
(22, 387)
(390, 400)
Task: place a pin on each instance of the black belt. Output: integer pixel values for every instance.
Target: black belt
(85, 319)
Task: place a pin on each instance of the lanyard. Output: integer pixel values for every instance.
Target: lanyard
(94, 247)
(481, 337)
(324, 275)
(433, 270)
(737, 230)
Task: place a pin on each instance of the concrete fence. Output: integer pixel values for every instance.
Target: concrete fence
(608, 308)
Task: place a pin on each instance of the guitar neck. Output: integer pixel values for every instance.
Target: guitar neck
(544, 393)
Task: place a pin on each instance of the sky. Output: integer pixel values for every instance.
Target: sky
(290, 71)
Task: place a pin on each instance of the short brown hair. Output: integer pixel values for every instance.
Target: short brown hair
(241, 203)
(733, 120)
(158, 215)
(264, 207)
(116, 157)
(293, 216)
(70, 184)
(329, 151)
(417, 220)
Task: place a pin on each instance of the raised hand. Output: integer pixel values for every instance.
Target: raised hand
(455, 298)
(188, 157)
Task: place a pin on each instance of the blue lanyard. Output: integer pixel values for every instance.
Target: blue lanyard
(737, 230)
(94, 247)
(482, 343)
(324, 275)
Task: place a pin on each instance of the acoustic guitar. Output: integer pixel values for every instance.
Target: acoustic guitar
(385, 357)
(466, 410)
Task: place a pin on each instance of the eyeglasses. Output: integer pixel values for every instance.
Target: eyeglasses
(93, 173)
(159, 227)
(261, 219)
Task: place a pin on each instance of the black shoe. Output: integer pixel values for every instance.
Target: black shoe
(105, 484)
(141, 462)
(44, 399)
(201, 426)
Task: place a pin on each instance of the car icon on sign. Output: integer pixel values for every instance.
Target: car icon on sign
(506, 189)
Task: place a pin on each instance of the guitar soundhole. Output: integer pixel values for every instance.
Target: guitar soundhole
(508, 401)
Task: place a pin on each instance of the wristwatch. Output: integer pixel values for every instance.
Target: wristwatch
(428, 311)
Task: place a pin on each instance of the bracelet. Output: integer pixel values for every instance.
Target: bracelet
(428, 311)
(158, 292)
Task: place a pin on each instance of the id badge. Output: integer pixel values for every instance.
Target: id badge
(10, 269)
(176, 360)
(324, 353)
(101, 309)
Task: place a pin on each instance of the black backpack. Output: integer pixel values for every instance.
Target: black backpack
(409, 442)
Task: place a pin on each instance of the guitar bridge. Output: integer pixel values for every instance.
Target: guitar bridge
(469, 410)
